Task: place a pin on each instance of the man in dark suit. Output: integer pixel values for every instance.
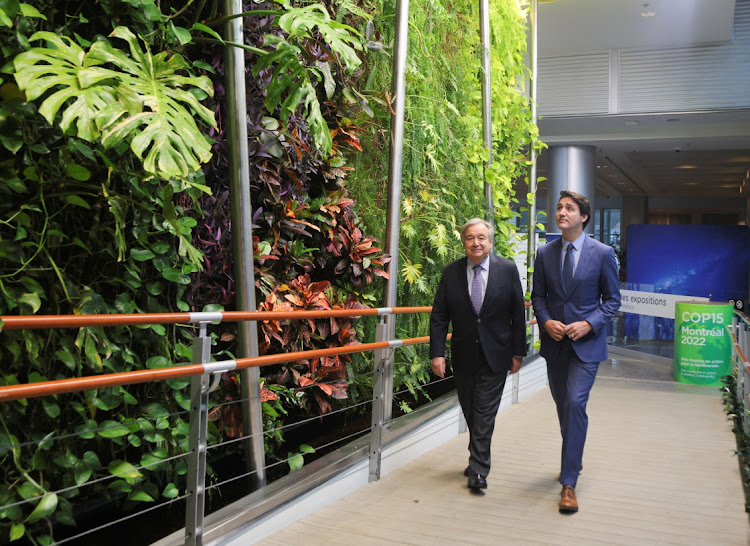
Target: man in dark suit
(481, 296)
(575, 293)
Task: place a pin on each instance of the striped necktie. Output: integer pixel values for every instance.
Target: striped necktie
(476, 288)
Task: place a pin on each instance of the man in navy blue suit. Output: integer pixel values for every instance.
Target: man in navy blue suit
(481, 296)
(575, 293)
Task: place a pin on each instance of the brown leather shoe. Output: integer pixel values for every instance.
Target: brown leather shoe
(568, 501)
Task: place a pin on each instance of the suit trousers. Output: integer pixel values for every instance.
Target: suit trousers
(479, 390)
(570, 381)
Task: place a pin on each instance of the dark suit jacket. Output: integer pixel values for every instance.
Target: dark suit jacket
(500, 327)
(594, 296)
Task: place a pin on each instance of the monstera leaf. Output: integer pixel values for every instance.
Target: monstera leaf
(67, 69)
(170, 139)
(138, 98)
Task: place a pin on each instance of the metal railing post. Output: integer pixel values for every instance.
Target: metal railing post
(743, 376)
(395, 172)
(531, 242)
(378, 404)
(199, 386)
(743, 335)
(484, 31)
(242, 243)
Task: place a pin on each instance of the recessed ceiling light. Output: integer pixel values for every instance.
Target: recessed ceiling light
(647, 12)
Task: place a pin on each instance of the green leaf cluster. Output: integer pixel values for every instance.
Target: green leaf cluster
(101, 155)
(143, 101)
(445, 159)
(292, 72)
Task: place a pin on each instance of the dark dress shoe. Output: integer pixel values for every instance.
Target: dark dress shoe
(477, 481)
(568, 501)
(467, 471)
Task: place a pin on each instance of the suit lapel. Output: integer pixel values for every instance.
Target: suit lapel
(462, 281)
(584, 261)
(555, 273)
(492, 280)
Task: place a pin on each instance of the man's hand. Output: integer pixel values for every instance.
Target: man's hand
(555, 329)
(517, 361)
(576, 330)
(438, 366)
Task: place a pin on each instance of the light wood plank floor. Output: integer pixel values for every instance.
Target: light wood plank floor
(659, 468)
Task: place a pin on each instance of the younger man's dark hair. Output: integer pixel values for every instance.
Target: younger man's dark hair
(584, 207)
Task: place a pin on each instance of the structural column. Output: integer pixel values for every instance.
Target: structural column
(395, 164)
(242, 243)
(570, 168)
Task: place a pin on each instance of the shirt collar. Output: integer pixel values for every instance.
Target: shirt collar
(484, 263)
(577, 244)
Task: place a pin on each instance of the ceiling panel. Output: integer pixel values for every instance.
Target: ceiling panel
(569, 27)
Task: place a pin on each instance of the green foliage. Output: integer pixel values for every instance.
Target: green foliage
(105, 208)
(145, 102)
(736, 412)
(444, 160)
(291, 82)
(87, 228)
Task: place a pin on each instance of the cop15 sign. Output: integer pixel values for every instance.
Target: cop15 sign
(702, 345)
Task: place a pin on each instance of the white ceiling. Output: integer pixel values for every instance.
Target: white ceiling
(576, 26)
(671, 155)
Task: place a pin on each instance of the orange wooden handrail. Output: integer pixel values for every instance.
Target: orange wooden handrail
(59, 386)
(35, 322)
(15, 322)
(50, 388)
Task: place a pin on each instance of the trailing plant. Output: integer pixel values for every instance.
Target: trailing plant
(113, 202)
(100, 165)
(736, 413)
(310, 251)
(444, 159)
(310, 48)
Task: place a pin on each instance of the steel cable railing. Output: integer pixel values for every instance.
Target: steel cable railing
(119, 521)
(198, 448)
(61, 386)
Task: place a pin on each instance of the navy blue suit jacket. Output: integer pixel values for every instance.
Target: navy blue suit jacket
(500, 327)
(594, 296)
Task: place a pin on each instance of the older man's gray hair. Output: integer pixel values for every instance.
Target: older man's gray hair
(475, 221)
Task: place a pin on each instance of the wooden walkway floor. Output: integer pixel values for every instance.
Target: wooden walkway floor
(659, 468)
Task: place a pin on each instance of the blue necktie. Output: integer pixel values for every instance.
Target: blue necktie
(476, 288)
(568, 269)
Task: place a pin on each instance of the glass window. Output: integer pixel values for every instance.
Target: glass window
(522, 221)
(607, 228)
